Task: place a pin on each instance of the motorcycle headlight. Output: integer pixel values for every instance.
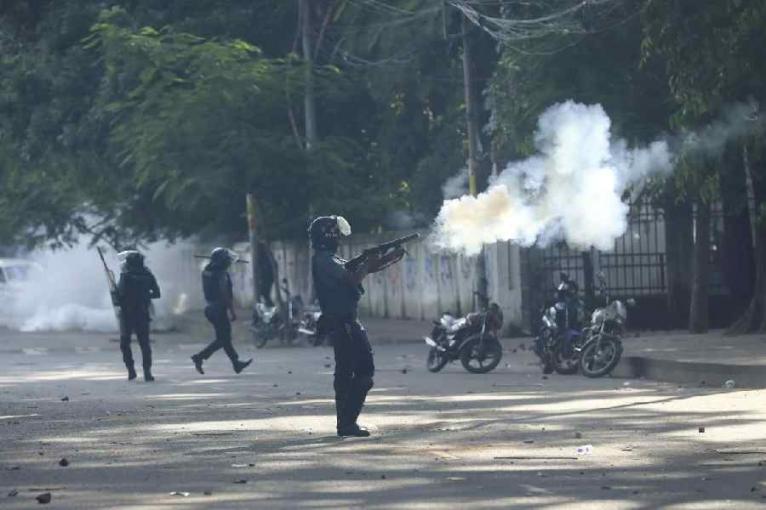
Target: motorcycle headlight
(598, 316)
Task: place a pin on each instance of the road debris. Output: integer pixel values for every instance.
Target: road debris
(180, 493)
(729, 384)
(44, 498)
(13, 493)
(65, 399)
(63, 462)
(585, 449)
(701, 430)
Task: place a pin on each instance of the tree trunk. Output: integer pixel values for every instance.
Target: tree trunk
(309, 101)
(698, 310)
(679, 244)
(754, 317)
(737, 259)
(253, 235)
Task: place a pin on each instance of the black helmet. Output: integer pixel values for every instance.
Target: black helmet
(325, 231)
(221, 257)
(131, 259)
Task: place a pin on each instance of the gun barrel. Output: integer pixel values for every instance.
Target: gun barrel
(399, 241)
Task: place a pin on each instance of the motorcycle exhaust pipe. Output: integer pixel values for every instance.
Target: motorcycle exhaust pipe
(306, 331)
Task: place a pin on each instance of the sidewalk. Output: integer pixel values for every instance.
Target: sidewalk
(673, 356)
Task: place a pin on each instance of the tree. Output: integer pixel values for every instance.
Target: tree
(713, 55)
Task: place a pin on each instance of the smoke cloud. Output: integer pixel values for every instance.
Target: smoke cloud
(572, 188)
(68, 290)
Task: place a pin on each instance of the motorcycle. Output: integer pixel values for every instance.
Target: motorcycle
(472, 339)
(269, 322)
(603, 348)
(559, 340)
(308, 327)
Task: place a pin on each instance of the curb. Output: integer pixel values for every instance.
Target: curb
(691, 372)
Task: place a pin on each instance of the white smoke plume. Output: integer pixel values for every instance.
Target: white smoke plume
(69, 290)
(456, 186)
(572, 188)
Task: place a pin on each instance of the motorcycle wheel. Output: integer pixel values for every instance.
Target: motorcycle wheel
(565, 363)
(436, 360)
(595, 362)
(478, 362)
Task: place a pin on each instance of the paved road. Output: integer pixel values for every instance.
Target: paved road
(504, 440)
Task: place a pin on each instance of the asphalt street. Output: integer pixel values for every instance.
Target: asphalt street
(265, 438)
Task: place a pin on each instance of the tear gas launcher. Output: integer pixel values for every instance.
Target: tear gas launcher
(380, 251)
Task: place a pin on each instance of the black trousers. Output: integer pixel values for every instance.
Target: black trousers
(220, 321)
(140, 326)
(354, 369)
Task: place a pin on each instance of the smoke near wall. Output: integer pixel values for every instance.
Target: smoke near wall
(571, 189)
(68, 290)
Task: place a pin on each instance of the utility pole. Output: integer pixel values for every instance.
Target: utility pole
(474, 146)
(309, 103)
(309, 108)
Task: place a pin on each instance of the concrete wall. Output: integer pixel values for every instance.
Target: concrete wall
(422, 286)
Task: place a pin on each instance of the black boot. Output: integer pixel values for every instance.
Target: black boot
(197, 360)
(239, 366)
(353, 430)
(131, 373)
(148, 377)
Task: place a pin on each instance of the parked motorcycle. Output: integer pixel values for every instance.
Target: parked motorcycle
(603, 348)
(472, 339)
(269, 322)
(560, 337)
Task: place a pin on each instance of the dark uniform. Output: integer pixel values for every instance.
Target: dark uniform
(219, 295)
(354, 367)
(137, 287)
(338, 291)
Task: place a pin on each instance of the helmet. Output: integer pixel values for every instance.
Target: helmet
(325, 231)
(221, 257)
(131, 259)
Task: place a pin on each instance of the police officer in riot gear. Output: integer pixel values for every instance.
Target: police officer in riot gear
(338, 291)
(217, 287)
(136, 288)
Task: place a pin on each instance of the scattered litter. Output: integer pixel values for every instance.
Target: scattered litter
(545, 377)
(44, 498)
(298, 393)
(514, 352)
(382, 477)
(63, 463)
(729, 384)
(529, 441)
(701, 430)
(13, 468)
(605, 488)
(242, 465)
(290, 372)
(13, 493)
(327, 365)
(180, 493)
(635, 492)
(585, 449)
(753, 489)
(274, 385)
(626, 383)
(627, 449)
(65, 399)
(578, 435)
(240, 481)
(404, 370)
